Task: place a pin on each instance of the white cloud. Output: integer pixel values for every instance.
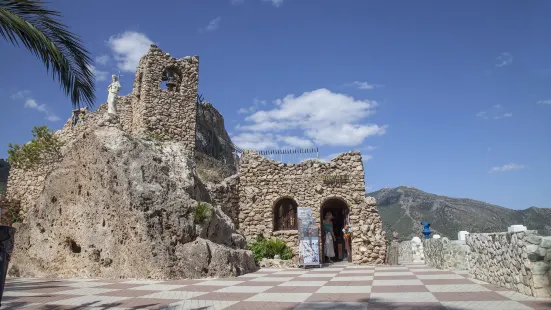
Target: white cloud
(103, 59)
(368, 148)
(252, 108)
(504, 59)
(365, 85)
(212, 26)
(30, 103)
(296, 142)
(506, 115)
(53, 118)
(128, 48)
(505, 168)
(276, 3)
(22, 94)
(255, 141)
(548, 101)
(98, 74)
(320, 116)
(494, 114)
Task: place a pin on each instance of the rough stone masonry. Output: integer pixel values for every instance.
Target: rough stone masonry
(264, 181)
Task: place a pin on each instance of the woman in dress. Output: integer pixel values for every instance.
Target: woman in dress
(329, 236)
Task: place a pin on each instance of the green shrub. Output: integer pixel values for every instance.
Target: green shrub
(263, 248)
(153, 136)
(202, 213)
(44, 144)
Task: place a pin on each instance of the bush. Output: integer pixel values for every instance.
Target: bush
(263, 248)
(202, 213)
(44, 144)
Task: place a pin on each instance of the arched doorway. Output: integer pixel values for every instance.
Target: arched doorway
(340, 211)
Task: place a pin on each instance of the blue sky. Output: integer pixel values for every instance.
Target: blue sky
(452, 98)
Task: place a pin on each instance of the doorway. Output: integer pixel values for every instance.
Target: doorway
(340, 211)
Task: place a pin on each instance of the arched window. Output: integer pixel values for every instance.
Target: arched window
(285, 215)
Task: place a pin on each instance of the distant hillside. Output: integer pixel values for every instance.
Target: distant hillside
(404, 208)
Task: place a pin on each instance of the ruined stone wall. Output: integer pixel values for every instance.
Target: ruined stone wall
(264, 181)
(446, 254)
(519, 261)
(168, 114)
(125, 112)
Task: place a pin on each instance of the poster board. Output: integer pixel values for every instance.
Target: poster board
(308, 240)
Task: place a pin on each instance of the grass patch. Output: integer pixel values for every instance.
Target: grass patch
(202, 213)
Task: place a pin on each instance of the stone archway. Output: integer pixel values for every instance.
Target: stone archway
(339, 208)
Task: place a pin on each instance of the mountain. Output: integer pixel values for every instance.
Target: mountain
(402, 209)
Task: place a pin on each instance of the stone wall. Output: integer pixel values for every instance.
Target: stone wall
(264, 181)
(446, 254)
(10, 211)
(405, 252)
(519, 261)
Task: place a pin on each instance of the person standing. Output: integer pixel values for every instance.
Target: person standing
(329, 236)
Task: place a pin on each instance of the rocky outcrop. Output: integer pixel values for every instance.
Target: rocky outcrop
(122, 207)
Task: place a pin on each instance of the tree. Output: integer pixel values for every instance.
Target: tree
(30, 23)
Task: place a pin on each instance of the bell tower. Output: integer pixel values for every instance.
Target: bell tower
(164, 97)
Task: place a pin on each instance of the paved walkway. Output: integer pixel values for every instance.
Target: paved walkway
(335, 287)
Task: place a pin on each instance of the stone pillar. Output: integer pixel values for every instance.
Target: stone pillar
(418, 251)
(462, 235)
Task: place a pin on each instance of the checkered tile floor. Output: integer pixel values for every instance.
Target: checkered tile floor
(333, 287)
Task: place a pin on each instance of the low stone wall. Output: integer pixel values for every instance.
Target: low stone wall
(290, 237)
(519, 261)
(446, 254)
(405, 252)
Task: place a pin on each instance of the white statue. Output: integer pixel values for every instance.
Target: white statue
(113, 90)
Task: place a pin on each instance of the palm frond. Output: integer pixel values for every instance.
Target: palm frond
(29, 23)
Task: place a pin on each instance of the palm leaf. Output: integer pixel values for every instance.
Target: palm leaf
(29, 23)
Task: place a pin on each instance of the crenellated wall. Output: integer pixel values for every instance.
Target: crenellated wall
(264, 181)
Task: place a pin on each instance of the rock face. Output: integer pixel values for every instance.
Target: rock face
(121, 207)
(519, 261)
